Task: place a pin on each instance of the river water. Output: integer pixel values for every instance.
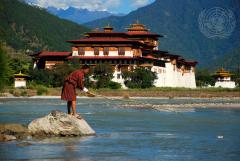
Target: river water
(130, 133)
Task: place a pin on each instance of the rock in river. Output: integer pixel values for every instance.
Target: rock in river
(12, 131)
(58, 123)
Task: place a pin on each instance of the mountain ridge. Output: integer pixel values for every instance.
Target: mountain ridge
(30, 28)
(79, 16)
(178, 21)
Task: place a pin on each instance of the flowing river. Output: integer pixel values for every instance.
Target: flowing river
(136, 133)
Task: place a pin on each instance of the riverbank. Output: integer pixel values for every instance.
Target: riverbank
(150, 92)
(177, 104)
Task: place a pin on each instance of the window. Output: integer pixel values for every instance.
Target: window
(118, 76)
(81, 50)
(121, 51)
(96, 51)
(106, 51)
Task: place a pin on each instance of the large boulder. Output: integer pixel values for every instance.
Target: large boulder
(58, 123)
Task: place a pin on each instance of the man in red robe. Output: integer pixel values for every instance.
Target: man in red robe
(73, 81)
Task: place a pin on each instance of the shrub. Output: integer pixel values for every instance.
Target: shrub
(23, 93)
(11, 91)
(41, 90)
(139, 78)
(17, 92)
(114, 85)
(32, 85)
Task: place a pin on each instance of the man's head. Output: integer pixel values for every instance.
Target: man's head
(86, 68)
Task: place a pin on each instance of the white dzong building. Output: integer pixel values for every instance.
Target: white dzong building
(137, 47)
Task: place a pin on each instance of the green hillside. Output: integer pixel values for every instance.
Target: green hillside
(230, 61)
(26, 27)
(177, 20)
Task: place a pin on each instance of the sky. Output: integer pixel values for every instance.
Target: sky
(113, 6)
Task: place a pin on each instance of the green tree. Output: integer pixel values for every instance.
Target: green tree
(54, 77)
(103, 73)
(204, 78)
(60, 72)
(41, 76)
(139, 78)
(236, 77)
(3, 68)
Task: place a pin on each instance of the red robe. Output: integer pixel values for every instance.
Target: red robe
(72, 81)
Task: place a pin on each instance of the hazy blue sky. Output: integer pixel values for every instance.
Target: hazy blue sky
(114, 6)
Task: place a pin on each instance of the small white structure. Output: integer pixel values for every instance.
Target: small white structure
(223, 79)
(20, 80)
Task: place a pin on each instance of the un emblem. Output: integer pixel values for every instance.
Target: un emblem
(217, 22)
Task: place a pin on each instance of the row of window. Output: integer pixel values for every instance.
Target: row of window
(119, 61)
(121, 51)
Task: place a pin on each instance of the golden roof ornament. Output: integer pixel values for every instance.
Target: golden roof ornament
(137, 27)
(222, 73)
(108, 28)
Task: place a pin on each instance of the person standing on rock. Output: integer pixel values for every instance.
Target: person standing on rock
(73, 81)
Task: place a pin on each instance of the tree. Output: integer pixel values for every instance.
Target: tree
(41, 76)
(139, 78)
(103, 73)
(204, 78)
(3, 68)
(54, 77)
(236, 77)
(60, 72)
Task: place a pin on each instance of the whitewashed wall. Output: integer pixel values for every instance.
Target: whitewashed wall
(173, 78)
(19, 83)
(226, 84)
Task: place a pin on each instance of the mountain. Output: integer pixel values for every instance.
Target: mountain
(26, 27)
(231, 60)
(79, 16)
(178, 21)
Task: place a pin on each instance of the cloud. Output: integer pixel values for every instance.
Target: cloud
(139, 3)
(92, 5)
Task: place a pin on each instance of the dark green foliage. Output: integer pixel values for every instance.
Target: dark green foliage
(139, 78)
(103, 73)
(114, 85)
(54, 77)
(41, 90)
(42, 76)
(204, 78)
(16, 62)
(3, 68)
(230, 61)
(26, 27)
(236, 77)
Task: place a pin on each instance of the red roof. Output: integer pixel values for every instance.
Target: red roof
(105, 33)
(150, 57)
(103, 39)
(55, 54)
(132, 33)
(100, 57)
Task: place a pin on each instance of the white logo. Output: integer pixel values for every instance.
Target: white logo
(217, 22)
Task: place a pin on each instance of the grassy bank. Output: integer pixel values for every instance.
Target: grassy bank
(150, 92)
